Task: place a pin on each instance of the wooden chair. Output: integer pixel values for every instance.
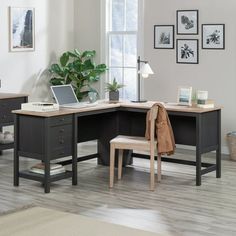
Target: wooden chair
(136, 143)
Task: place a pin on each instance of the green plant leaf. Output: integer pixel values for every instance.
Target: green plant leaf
(57, 81)
(114, 86)
(56, 69)
(64, 59)
(77, 52)
(102, 67)
(88, 65)
(88, 54)
(77, 69)
(74, 55)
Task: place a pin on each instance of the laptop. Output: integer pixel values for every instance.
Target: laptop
(65, 97)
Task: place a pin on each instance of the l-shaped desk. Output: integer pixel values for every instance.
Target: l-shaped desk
(49, 136)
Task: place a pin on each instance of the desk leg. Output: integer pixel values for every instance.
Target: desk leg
(198, 150)
(46, 158)
(47, 176)
(16, 156)
(16, 170)
(74, 152)
(218, 163)
(218, 151)
(198, 168)
(1, 131)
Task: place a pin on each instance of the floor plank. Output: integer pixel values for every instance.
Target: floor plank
(176, 206)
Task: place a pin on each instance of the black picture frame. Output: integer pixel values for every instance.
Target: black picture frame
(187, 30)
(192, 43)
(171, 45)
(213, 46)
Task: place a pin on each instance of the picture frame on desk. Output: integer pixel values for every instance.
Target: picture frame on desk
(184, 96)
(164, 36)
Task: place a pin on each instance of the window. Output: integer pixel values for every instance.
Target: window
(122, 37)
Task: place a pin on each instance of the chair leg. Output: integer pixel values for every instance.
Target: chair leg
(152, 171)
(159, 167)
(120, 162)
(112, 165)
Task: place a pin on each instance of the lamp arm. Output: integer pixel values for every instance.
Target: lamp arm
(141, 61)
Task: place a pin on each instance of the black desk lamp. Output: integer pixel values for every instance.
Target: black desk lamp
(144, 70)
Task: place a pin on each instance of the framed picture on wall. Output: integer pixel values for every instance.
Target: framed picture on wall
(187, 51)
(184, 95)
(213, 36)
(187, 22)
(22, 35)
(164, 36)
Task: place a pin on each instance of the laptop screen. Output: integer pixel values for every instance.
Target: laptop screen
(64, 94)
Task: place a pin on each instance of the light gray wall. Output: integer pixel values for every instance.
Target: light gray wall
(25, 72)
(88, 29)
(65, 24)
(216, 71)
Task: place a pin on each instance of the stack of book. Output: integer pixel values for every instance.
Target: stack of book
(205, 103)
(54, 169)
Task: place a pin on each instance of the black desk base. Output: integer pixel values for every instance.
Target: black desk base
(202, 130)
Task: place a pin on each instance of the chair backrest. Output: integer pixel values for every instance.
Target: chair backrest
(152, 119)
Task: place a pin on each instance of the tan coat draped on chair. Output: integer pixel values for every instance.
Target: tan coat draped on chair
(164, 132)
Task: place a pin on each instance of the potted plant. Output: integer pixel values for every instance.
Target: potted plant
(79, 70)
(113, 89)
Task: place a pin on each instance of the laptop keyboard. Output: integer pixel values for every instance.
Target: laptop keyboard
(78, 105)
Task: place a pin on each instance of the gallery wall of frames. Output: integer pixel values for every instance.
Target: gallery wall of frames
(187, 24)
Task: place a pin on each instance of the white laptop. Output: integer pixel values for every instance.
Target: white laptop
(65, 97)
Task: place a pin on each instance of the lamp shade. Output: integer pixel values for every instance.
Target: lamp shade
(146, 70)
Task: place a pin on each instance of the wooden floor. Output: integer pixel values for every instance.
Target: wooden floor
(176, 206)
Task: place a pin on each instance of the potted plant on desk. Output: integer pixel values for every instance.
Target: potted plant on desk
(78, 69)
(113, 89)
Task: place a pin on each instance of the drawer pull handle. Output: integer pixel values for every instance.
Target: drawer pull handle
(62, 119)
(62, 141)
(62, 130)
(61, 153)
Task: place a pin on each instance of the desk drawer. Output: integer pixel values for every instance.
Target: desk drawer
(60, 152)
(60, 120)
(6, 108)
(61, 131)
(60, 140)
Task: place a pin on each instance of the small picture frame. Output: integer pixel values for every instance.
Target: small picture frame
(164, 36)
(22, 29)
(187, 22)
(213, 36)
(187, 51)
(184, 95)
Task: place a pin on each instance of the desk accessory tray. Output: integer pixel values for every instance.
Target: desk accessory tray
(40, 106)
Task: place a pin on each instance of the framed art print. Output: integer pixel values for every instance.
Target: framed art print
(164, 36)
(213, 36)
(187, 22)
(184, 95)
(22, 36)
(187, 51)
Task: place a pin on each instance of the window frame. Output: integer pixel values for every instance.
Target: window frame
(107, 33)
